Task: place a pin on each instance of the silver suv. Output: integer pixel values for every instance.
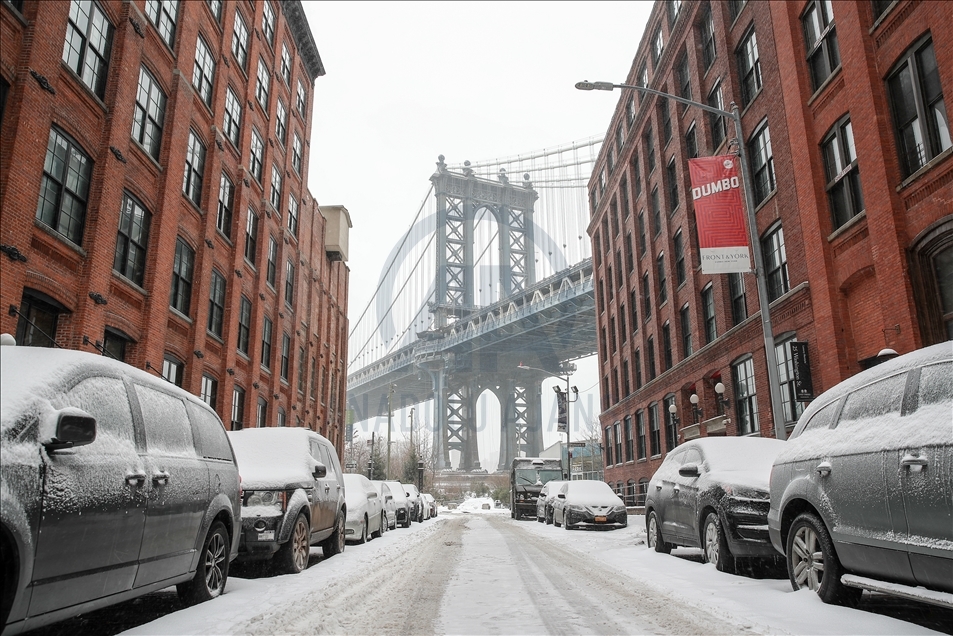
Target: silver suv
(862, 494)
(115, 483)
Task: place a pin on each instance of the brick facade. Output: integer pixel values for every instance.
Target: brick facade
(69, 273)
(854, 286)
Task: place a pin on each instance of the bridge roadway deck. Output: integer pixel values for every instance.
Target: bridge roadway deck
(553, 321)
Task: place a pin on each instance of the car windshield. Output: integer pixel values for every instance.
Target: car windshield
(536, 476)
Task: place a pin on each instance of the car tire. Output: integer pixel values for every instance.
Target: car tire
(364, 531)
(715, 545)
(548, 517)
(555, 523)
(377, 534)
(566, 519)
(212, 571)
(813, 563)
(10, 574)
(335, 543)
(539, 519)
(653, 534)
(292, 556)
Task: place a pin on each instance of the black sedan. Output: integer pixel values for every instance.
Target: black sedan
(712, 493)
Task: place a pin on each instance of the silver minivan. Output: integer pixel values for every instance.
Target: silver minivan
(862, 494)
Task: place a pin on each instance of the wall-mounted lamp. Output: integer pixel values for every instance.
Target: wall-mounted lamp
(255, 384)
(230, 371)
(198, 354)
(672, 410)
(98, 298)
(720, 396)
(696, 410)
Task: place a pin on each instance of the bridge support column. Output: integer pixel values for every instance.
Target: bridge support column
(520, 421)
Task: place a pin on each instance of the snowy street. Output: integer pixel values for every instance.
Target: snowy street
(488, 574)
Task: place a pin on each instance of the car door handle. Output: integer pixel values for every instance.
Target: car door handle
(676, 489)
(327, 489)
(135, 479)
(658, 486)
(914, 463)
(160, 479)
(824, 469)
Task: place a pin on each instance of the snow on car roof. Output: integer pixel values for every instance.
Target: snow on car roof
(273, 458)
(739, 453)
(355, 489)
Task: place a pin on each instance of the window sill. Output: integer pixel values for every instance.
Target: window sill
(827, 82)
(77, 79)
(925, 168)
(767, 199)
(214, 337)
(880, 20)
(846, 227)
(145, 153)
(178, 314)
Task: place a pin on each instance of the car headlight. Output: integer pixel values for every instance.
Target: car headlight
(745, 492)
(618, 509)
(577, 508)
(277, 499)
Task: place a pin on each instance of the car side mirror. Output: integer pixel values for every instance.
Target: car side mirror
(371, 495)
(689, 470)
(72, 430)
(561, 496)
(320, 471)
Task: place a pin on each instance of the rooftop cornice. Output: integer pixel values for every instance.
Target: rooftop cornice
(304, 39)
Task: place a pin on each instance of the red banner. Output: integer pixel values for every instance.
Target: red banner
(720, 215)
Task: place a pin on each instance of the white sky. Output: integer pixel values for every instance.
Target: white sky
(409, 81)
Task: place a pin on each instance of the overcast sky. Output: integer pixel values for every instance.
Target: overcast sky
(407, 81)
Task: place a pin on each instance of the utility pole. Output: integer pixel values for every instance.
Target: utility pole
(370, 460)
(390, 417)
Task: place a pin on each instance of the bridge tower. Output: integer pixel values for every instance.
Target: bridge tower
(459, 379)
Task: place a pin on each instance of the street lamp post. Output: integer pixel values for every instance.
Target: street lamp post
(390, 417)
(774, 383)
(560, 397)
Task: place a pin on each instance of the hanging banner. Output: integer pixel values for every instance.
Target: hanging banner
(720, 215)
(803, 385)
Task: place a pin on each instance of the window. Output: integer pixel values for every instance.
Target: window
(619, 137)
(296, 153)
(642, 245)
(271, 268)
(686, 326)
(216, 304)
(671, 430)
(162, 15)
(608, 445)
(133, 240)
(650, 357)
(654, 429)
(627, 426)
(716, 121)
(281, 123)
(843, 174)
(194, 168)
(649, 149)
(919, 111)
(610, 160)
(626, 385)
(244, 324)
(256, 155)
(266, 329)
(37, 322)
(820, 38)
(656, 213)
(268, 23)
(261, 419)
(232, 122)
(602, 296)
(263, 86)
(707, 28)
(746, 400)
(708, 307)
(285, 355)
(679, 257)
(667, 358)
(64, 187)
(674, 6)
(173, 369)
(658, 45)
(240, 40)
(226, 198)
(762, 163)
(314, 376)
(640, 433)
(691, 142)
(637, 367)
(275, 196)
(775, 263)
(149, 114)
(880, 7)
(282, 418)
(665, 112)
(215, 6)
(181, 295)
(115, 343)
(643, 81)
(251, 236)
(289, 282)
(672, 176)
(88, 42)
(203, 75)
(630, 111)
(292, 215)
(662, 280)
(302, 100)
(739, 304)
(618, 442)
(634, 304)
(684, 80)
(238, 408)
(209, 393)
(749, 67)
(286, 65)
(636, 173)
(735, 7)
(646, 297)
(789, 404)
(612, 338)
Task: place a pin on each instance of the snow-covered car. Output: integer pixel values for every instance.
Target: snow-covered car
(413, 495)
(544, 504)
(387, 500)
(588, 503)
(365, 512)
(430, 504)
(712, 493)
(293, 496)
(862, 495)
(425, 509)
(405, 508)
(105, 474)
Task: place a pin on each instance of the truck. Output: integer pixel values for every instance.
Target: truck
(527, 477)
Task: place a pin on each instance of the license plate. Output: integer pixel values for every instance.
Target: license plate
(600, 519)
(266, 536)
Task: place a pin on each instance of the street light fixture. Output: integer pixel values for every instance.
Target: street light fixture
(720, 396)
(696, 410)
(560, 397)
(774, 382)
(672, 411)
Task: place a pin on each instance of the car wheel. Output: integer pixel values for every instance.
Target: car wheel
(335, 543)
(212, 571)
(548, 517)
(364, 532)
(292, 556)
(716, 545)
(653, 534)
(566, 519)
(383, 528)
(538, 518)
(555, 523)
(813, 564)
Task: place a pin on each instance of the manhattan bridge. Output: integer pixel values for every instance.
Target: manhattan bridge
(494, 274)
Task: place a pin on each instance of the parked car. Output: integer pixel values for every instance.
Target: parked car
(387, 499)
(712, 493)
(430, 504)
(405, 508)
(293, 496)
(365, 512)
(115, 484)
(414, 496)
(425, 509)
(588, 503)
(862, 495)
(544, 504)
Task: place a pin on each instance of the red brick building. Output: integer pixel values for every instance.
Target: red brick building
(154, 201)
(848, 141)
